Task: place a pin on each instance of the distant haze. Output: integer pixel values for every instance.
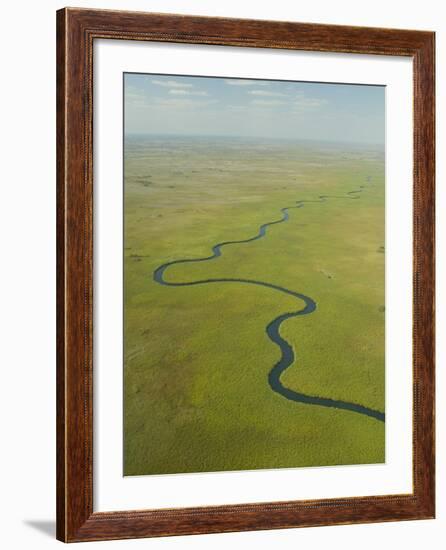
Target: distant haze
(197, 106)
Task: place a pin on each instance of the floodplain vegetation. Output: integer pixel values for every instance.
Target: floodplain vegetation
(197, 358)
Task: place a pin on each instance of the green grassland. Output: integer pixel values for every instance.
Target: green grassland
(197, 358)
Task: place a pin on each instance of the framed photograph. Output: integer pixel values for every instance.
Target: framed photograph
(245, 275)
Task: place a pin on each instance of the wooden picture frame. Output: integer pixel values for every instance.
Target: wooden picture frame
(76, 31)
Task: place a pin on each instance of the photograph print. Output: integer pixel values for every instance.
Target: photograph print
(254, 274)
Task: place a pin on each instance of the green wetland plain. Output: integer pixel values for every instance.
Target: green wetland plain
(200, 390)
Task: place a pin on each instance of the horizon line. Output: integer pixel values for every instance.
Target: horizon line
(272, 138)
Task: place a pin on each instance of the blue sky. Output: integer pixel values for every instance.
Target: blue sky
(161, 104)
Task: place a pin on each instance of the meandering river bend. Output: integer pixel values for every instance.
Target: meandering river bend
(273, 328)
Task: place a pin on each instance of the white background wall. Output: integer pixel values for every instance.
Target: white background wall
(27, 218)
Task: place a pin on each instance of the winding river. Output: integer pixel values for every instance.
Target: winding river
(273, 328)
